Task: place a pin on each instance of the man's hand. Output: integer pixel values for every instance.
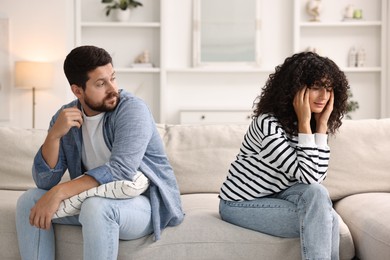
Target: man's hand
(68, 118)
(323, 117)
(302, 109)
(43, 211)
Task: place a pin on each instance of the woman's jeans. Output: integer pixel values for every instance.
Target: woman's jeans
(302, 210)
(104, 221)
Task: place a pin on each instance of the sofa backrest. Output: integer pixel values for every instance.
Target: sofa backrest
(17, 150)
(359, 161)
(359, 158)
(201, 154)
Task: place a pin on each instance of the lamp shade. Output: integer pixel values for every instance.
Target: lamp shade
(31, 74)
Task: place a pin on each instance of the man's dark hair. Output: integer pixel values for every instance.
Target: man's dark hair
(300, 70)
(82, 60)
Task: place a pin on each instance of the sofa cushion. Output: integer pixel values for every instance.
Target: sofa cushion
(201, 154)
(368, 217)
(359, 158)
(202, 235)
(17, 150)
(8, 239)
(161, 129)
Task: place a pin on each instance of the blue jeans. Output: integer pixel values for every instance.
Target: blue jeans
(302, 210)
(104, 221)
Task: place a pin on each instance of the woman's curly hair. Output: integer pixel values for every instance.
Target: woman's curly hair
(300, 70)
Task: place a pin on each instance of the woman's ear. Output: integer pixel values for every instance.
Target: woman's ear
(77, 91)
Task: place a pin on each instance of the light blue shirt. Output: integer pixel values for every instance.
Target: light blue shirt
(135, 144)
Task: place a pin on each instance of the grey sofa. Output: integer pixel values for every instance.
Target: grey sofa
(358, 182)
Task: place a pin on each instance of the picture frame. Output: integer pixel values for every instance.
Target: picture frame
(226, 33)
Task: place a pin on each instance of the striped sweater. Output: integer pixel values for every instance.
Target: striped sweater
(270, 161)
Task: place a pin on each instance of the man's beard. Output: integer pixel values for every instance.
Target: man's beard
(102, 106)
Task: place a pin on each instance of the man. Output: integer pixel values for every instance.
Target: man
(105, 135)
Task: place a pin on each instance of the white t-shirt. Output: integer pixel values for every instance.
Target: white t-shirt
(94, 150)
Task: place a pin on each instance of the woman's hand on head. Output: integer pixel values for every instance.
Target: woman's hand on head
(302, 109)
(323, 117)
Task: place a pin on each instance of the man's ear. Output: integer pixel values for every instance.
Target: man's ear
(77, 91)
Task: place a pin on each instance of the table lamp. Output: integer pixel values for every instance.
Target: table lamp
(33, 75)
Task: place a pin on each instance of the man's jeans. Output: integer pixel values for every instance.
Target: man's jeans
(104, 221)
(302, 210)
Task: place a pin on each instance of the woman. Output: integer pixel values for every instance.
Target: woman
(273, 186)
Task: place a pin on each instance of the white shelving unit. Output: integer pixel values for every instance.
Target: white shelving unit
(175, 90)
(334, 37)
(125, 41)
(210, 116)
(209, 94)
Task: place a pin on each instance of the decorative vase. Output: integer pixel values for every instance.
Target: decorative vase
(352, 57)
(348, 14)
(314, 8)
(122, 15)
(361, 57)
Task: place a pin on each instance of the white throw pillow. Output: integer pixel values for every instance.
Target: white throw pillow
(114, 190)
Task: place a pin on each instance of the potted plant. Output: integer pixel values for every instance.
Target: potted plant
(122, 8)
(352, 105)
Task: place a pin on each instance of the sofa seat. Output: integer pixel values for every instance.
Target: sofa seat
(202, 235)
(367, 216)
(8, 242)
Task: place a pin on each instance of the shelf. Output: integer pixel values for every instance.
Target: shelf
(121, 24)
(125, 41)
(361, 69)
(220, 70)
(137, 70)
(334, 37)
(341, 24)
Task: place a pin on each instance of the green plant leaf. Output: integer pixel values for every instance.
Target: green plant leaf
(352, 105)
(122, 4)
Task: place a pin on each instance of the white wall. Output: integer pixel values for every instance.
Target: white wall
(40, 30)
